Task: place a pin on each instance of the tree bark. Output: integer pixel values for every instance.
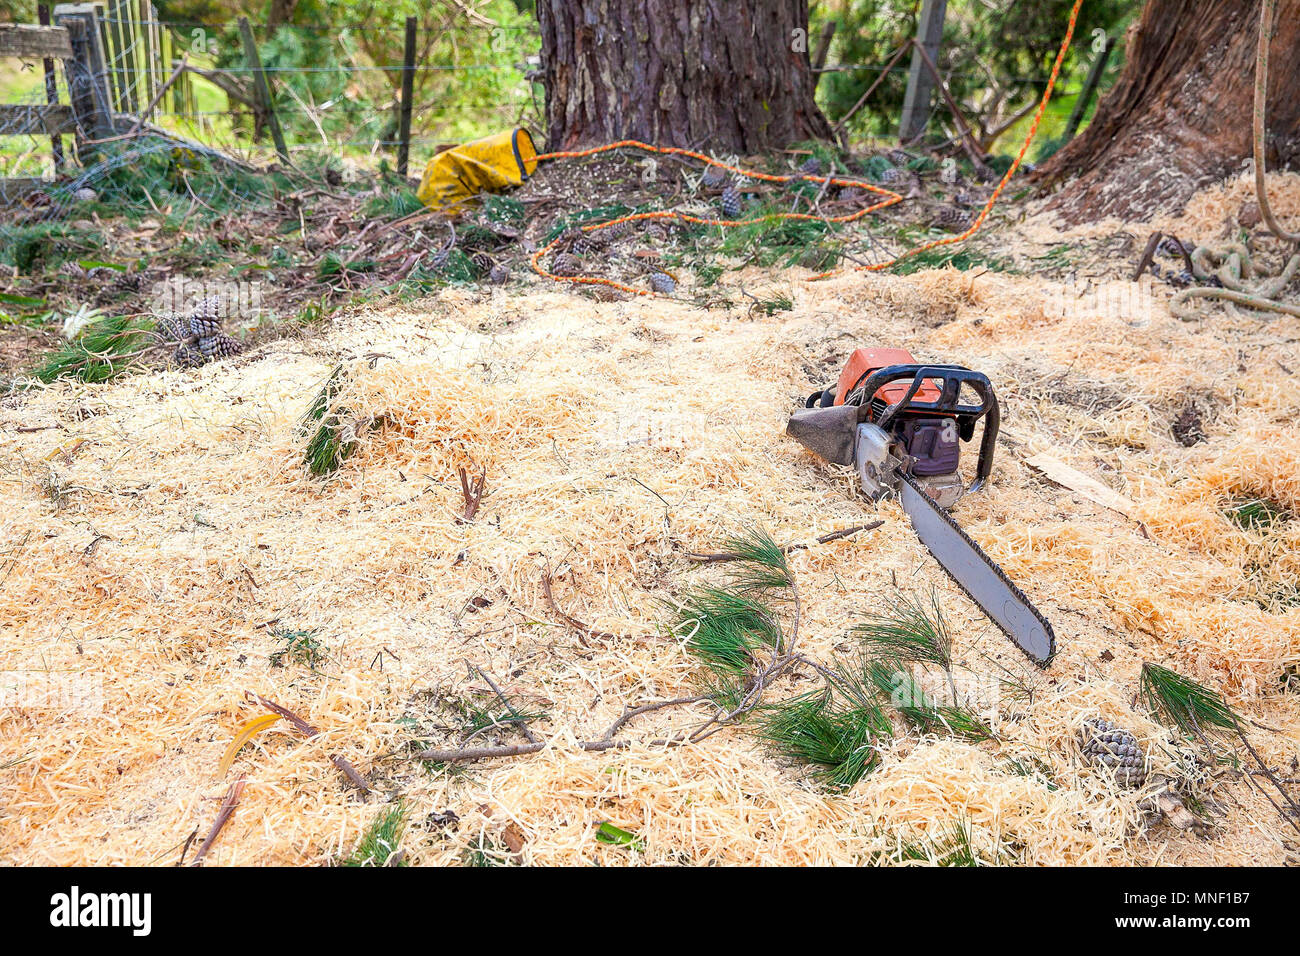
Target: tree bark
(725, 75)
(1179, 117)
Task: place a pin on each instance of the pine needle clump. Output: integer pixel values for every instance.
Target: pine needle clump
(1182, 704)
(728, 626)
(378, 846)
(104, 350)
(332, 437)
(839, 738)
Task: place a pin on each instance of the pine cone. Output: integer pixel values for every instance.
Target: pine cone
(812, 166)
(662, 283)
(187, 356)
(131, 281)
(888, 175)
(952, 219)
(205, 317)
(219, 346)
(713, 177)
(174, 326)
(1104, 744)
(566, 264)
(731, 203)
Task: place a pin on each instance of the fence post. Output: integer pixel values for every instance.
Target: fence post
(920, 86)
(262, 89)
(51, 92)
(85, 71)
(1089, 88)
(408, 90)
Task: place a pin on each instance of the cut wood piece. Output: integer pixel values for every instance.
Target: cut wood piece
(1092, 489)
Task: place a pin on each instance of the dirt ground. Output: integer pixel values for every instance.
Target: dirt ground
(159, 537)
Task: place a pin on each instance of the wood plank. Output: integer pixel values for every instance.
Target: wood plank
(36, 120)
(28, 40)
(1092, 489)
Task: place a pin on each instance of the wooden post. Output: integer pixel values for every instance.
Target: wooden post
(408, 90)
(920, 85)
(262, 89)
(1089, 88)
(51, 92)
(85, 71)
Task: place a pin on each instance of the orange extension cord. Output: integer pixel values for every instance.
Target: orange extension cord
(890, 198)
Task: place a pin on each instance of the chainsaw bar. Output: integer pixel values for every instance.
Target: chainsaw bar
(974, 571)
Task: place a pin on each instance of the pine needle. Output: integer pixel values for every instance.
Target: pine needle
(841, 743)
(908, 631)
(894, 682)
(104, 350)
(379, 843)
(1185, 705)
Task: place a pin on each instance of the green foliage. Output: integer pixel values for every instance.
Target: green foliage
(617, 836)
(1258, 514)
(918, 709)
(955, 846)
(46, 244)
(1011, 43)
(327, 447)
(946, 256)
(1184, 705)
(393, 204)
(770, 239)
(380, 841)
(299, 646)
(503, 209)
(840, 741)
(104, 350)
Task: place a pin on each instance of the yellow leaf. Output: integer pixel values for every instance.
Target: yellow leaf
(246, 733)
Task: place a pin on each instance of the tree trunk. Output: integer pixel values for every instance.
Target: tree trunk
(725, 75)
(1179, 116)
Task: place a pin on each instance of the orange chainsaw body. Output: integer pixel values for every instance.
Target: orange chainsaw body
(864, 361)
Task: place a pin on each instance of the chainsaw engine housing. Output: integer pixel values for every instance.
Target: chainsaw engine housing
(908, 419)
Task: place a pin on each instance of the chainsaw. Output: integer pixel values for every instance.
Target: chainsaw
(901, 426)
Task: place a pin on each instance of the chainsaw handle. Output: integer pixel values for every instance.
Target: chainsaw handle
(952, 376)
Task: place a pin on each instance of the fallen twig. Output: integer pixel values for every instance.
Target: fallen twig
(227, 811)
(307, 730)
(584, 630)
(473, 493)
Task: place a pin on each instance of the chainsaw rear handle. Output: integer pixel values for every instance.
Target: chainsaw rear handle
(953, 377)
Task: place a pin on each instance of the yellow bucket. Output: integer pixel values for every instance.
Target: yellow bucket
(485, 165)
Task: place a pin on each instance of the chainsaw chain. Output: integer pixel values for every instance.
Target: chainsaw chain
(1011, 585)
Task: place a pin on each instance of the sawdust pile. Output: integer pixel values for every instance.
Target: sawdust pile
(159, 537)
